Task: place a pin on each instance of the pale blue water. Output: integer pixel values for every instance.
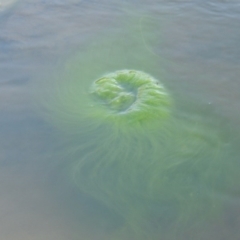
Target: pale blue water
(197, 44)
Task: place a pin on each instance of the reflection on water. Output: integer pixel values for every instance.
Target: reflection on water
(178, 180)
(5, 4)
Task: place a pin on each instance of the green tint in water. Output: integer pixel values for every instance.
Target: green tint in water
(154, 163)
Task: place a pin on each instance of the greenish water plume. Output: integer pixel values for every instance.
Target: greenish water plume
(154, 159)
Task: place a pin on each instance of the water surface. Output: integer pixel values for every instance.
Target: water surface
(193, 47)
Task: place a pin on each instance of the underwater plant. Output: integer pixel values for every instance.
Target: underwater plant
(136, 155)
(154, 159)
(130, 96)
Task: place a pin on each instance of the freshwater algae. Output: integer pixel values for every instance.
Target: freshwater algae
(153, 158)
(131, 96)
(146, 161)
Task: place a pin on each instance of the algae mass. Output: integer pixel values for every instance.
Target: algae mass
(138, 156)
(130, 96)
(154, 159)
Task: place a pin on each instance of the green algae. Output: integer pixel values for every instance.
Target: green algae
(131, 96)
(155, 159)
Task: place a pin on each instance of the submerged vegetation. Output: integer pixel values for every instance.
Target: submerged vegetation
(155, 159)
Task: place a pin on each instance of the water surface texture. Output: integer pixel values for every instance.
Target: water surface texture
(119, 120)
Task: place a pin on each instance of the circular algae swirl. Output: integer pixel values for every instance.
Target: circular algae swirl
(156, 159)
(156, 166)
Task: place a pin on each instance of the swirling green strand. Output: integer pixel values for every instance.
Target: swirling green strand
(156, 171)
(144, 162)
(129, 170)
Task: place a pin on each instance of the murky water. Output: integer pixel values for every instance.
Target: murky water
(51, 51)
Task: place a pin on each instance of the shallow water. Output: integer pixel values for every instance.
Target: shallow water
(191, 47)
